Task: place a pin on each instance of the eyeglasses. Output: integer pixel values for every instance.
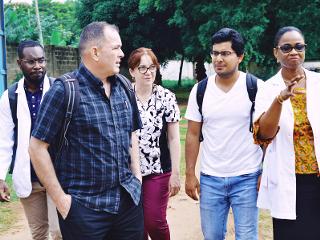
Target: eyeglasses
(33, 62)
(144, 69)
(223, 54)
(286, 48)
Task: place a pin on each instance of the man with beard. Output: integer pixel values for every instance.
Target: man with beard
(14, 142)
(230, 161)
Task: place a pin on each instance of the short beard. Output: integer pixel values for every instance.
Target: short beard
(227, 74)
(36, 81)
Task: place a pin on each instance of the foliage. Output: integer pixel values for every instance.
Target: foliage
(184, 27)
(137, 28)
(58, 22)
(198, 20)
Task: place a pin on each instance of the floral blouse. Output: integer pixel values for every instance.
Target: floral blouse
(306, 162)
(160, 109)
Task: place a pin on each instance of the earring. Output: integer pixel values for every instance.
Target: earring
(133, 79)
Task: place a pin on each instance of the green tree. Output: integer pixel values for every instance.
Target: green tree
(58, 22)
(182, 28)
(199, 19)
(137, 28)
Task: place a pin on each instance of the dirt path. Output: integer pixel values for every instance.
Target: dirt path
(19, 230)
(183, 218)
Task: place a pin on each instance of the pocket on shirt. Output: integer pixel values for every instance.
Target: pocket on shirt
(124, 113)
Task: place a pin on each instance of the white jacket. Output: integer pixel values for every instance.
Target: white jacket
(21, 174)
(278, 185)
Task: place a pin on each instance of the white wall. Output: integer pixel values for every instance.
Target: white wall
(171, 70)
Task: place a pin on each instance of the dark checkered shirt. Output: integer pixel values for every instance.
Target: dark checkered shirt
(96, 162)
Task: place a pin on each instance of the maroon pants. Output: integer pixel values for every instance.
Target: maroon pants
(155, 201)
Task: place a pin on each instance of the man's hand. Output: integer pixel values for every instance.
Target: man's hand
(174, 184)
(192, 186)
(4, 192)
(64, 205)
(259, 182)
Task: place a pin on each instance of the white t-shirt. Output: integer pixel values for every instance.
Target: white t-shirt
(227, 149)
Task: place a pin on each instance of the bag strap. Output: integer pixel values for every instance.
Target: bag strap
(252, 89)
(202, 85)
(201, 88)
(71, 103)
(51, 80)
(12, 95)
(127, 85)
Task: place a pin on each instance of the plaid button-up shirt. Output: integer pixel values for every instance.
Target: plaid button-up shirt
(96, 162)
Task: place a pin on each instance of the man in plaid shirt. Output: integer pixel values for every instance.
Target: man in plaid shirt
(96, 181)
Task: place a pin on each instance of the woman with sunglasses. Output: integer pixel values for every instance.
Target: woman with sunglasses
(288, 112)
(159, 142)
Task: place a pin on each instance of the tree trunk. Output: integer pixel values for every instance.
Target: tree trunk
(180, 71)
(38, 22)
(158, 79)
(200, 70)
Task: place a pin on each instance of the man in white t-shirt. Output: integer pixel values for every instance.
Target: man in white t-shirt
(230, 161)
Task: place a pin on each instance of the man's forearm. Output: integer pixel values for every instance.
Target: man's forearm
(191, 152)
(44, 169)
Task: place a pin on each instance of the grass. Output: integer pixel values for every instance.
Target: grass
(182, 92)
(173, 84)
(7, 216)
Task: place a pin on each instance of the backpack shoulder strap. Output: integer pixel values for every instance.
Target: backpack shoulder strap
(252, 88)
(13, 107)
(51, 80)
(71, 103)
(127, 85)
(13, 101)
(125, 82)
(201, 88)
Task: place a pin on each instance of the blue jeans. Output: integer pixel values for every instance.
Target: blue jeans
(218, 194)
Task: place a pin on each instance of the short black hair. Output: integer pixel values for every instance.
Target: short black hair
(229, 35)
(284, 30)
(25, 44)
(93, 32)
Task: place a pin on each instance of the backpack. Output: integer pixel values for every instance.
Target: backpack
(252, 88)
(12, 95)
(71, 101)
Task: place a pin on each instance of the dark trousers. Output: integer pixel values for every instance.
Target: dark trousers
(83, 223)
(307, 224)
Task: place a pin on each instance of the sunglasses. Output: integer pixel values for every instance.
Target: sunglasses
(286, 48)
